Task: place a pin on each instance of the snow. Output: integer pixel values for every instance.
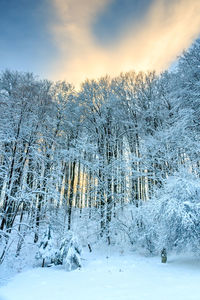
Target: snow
(110, 275)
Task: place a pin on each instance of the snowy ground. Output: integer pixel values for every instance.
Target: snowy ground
(110, 275)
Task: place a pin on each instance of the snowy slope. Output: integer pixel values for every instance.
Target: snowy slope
(110, 276)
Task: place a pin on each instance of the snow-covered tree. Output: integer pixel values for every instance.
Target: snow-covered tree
(175, 213)
(46, 250)
(69, 253)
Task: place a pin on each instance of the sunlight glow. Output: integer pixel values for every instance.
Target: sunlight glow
(168, 28)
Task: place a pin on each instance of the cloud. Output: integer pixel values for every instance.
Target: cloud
(168, 28)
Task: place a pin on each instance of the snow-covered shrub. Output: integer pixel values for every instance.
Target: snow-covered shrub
(142, 230)
(170, 220)
(136, 225)
(69, 253)
(175, 211)
(46, 250)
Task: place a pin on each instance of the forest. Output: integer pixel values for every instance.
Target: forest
(115, 161)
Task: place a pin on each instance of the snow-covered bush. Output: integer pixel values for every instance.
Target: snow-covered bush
(69, 253)
(135, 225)
(143, 228)
(46, 250)
(175, 211)
(142, 232)
(170, 220)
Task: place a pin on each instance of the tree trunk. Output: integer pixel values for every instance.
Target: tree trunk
(71, 192)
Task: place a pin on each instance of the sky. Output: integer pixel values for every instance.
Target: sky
(77, 39)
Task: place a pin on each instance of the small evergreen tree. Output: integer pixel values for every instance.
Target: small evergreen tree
(46, 251)
(69, 253)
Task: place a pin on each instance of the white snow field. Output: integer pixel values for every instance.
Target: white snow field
(110, 275)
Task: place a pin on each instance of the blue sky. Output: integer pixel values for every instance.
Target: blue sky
(25, 41)
(75, 39)
(110, 24)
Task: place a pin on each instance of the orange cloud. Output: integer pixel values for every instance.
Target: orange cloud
(168, 28)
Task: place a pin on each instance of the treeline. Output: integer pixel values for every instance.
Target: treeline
(110, 144)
